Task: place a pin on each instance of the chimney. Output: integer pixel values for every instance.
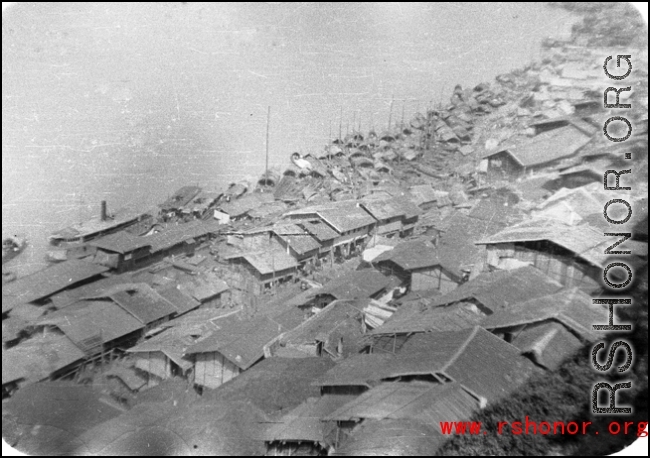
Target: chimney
(104, 214)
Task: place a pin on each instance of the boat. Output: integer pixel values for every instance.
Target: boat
(12, 247)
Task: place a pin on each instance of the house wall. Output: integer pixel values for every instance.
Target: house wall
(294, 449)
(389, 226)
(562, 267)
(577, 180)
(350, 236)
(281, 275)
(80, 251)
(390, 268)
(303, 217)
(113, 229)
(432, 278)
(326, 247)
(178, 249)
(155, 363)
(408, 225)
(503, 166)
(212, 370)
(129, 261)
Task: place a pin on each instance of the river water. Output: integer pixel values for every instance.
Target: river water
(128, 101)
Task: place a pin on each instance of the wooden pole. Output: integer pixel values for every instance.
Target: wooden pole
(329, 139)
(268, 124)
(341, 124)
(390, 113)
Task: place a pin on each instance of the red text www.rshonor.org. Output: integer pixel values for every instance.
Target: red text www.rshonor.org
(530, 427)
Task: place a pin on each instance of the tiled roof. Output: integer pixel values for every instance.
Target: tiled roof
(173, 343)
(275, 384)
(175, 235)
(494, 210)
(140, 300)
(473, 357)
(392, 437)
(356, 285)
(12, 328)
(88, 290)
(96, 225)
(241, 206)
(271, 261)
(423, 194)
(572, 308)
(121, 242)
(70, 409)
(204, 288)
(456, 247)
(546, 147)
(343, 216)
(319, 230)
(586, 127)
(35, 359)
(297, 238)
(202, 201)
(480, 361)
(181, 301)
(340, 319)
(178, 430)
(382, 209)
(46, 282)
(549, 344)
(585, 201)
(180, 198)
(357, 370)
(429, 402)
(243, 342)
(9, 302)
(585, 242)
(304, 423)
(411, 318)
(501, 289)
(93, 323)
(347, 217)
(412, 255)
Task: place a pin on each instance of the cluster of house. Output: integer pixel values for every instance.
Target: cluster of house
(398, 298)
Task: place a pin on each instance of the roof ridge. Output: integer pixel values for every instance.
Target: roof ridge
(460, 350)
